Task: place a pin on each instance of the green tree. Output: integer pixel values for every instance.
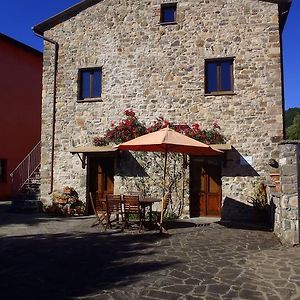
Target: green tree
(293, 131)
(290, 114)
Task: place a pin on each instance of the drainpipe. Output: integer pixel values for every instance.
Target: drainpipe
(282, 15)
(39, 34)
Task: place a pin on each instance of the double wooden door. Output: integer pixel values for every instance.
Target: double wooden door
(100, 179)
(205, 188)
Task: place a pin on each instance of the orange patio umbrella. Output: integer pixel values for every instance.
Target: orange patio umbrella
(168, 140)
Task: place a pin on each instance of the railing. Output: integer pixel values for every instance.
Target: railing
(20, 176)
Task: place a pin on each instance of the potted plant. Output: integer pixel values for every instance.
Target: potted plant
(66, 203)
(259, 201)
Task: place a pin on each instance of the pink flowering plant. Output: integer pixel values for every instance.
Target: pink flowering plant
(130, 127)
(127, 129)
(158, 124)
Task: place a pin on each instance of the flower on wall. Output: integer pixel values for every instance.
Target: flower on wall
(130, 127)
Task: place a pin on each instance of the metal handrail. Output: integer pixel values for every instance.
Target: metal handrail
(21, 174)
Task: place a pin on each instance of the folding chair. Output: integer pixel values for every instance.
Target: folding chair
(113, 207)
(132, 207)
(99, 212)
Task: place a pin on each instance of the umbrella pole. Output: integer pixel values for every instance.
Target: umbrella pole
(164, 188)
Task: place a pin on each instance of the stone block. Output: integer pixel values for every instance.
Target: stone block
(291, 237)
(288, 170)
(289, 188)
(289, 179)
(282, 161)
(294, 201)
(284, 201)
(276, 139)
(286, 225)
(276, 201)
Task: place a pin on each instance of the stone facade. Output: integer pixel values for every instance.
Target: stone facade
(286, 221)
(159, 70)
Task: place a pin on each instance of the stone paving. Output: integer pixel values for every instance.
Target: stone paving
(66, 258)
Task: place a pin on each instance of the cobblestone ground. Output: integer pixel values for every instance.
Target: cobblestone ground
(47, 258)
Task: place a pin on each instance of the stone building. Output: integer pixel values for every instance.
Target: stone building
(187, 60)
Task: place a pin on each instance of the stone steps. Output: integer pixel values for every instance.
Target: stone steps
(28, 200)
(26, 206)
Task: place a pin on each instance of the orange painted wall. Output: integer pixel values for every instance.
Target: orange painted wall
(20, 104)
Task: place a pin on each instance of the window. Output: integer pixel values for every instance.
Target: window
(90, 83)
(219, 76)
(168, 13)
(3, 163)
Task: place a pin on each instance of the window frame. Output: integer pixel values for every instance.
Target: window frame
(168, 5)
(3, 170)
(219, 91)
(91, 98)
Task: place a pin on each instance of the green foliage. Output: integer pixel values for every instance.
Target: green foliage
(171, 216)
(290, 114)
(259, 197)
(293, 131)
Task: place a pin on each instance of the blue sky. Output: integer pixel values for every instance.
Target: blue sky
(18, 16)
(291, 56)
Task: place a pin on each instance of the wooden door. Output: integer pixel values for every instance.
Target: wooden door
(101, 178)
(205, 188)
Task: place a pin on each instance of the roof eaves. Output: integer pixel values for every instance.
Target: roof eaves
(92, 149)
(63, 16)
(20, 44)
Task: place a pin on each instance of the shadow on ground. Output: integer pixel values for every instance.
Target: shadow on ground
(64, 266)
(30, 219)
(245, 225)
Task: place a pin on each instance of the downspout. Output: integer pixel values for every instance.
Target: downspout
(54, 103)
(282, 14)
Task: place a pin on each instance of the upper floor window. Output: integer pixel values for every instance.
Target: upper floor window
(3, 163)
(90, 83)
(219, 76)
(168, 13)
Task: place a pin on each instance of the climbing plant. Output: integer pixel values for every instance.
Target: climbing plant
(131, 127)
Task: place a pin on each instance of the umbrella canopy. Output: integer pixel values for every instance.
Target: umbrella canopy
(168, 140)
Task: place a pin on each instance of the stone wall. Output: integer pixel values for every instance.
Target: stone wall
(159, 70)
(287, 202)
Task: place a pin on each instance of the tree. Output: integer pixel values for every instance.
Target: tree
(290, 114)
(293, 131)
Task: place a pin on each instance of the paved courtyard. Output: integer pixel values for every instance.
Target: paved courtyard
(64, 258)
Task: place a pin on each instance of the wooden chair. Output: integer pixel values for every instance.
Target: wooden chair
(100, 214)
(113, 206)
(136, 193)
(132, 207)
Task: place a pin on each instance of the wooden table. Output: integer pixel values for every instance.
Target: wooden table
(148, 201)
